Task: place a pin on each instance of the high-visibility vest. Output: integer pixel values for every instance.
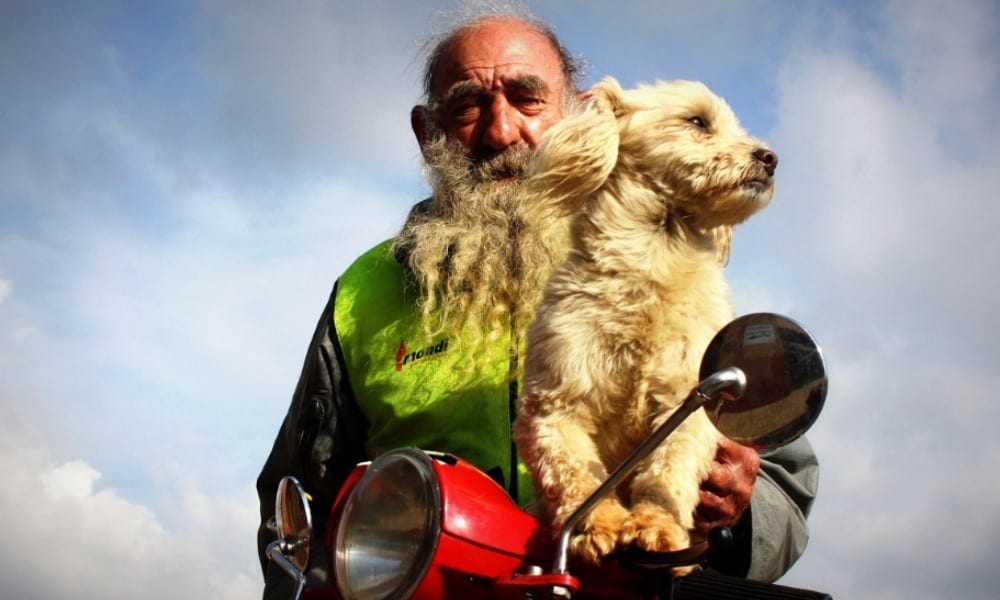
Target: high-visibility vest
(421, 391)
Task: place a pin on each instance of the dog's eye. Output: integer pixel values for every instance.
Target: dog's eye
(698, 122)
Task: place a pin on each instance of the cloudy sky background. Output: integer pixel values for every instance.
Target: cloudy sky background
(181, 182)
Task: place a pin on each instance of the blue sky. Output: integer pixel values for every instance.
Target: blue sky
(181, 182)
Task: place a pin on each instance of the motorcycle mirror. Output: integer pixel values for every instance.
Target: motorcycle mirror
(786, 380)
(294, 520)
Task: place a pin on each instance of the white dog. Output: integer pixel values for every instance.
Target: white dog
(655, 178)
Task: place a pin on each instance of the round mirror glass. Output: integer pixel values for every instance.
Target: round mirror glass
(291, 512)
(786, 380)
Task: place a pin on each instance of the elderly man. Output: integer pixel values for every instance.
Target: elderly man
(419, 342)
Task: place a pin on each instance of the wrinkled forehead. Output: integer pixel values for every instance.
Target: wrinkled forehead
(495, 53)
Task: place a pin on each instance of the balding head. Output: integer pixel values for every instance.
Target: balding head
(494, 83)
(571, 67)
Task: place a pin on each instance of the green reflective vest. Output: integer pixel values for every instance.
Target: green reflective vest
(418, 391)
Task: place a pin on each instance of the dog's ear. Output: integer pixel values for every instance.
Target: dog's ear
(609, 94)
(577, 154)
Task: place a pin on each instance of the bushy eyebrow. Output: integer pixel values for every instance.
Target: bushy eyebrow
(527, 83)
(523, 83)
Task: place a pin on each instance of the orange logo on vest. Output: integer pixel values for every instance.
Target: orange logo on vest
(403, 357)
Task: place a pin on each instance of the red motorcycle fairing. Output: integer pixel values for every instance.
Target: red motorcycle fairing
(488, 545)
(484, 535)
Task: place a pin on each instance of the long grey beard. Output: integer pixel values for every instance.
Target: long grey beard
(468, 246)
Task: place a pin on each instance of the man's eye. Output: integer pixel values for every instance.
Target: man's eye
(532, 100)
(529, 104)
(465, 109)
(698, 122)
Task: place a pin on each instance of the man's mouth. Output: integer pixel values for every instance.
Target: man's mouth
(501, 169)
(506, 174)
(507, 165)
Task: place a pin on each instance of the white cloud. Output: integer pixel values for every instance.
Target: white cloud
(173, 222)
(78, 539)
(74, 480)
(196, 334)
(891, 214)
(320, 85)
(947, 61)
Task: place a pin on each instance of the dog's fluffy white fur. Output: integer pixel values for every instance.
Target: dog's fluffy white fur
(655, 177)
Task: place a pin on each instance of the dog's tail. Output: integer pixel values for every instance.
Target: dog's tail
(577, 154)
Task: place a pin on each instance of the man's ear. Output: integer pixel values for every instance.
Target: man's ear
(418, 121)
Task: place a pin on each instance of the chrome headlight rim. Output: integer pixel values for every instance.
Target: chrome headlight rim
(426, 494)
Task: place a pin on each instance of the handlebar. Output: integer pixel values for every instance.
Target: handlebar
(728, 383)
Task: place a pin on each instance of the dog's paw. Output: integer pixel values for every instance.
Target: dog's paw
(652, 528)
(599, 532)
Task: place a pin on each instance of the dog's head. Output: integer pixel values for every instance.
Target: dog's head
(676, 138)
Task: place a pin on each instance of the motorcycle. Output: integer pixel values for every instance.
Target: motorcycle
(423, 525)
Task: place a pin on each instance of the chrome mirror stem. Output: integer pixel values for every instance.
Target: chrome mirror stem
(730, 381)
(276, 552)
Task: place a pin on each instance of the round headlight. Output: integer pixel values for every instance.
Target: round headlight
(389, 528)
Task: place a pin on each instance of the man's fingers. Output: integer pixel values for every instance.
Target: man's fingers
(725, 493)
(720, 479)
(712, 512)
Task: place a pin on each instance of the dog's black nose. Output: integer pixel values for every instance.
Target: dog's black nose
(767, 158)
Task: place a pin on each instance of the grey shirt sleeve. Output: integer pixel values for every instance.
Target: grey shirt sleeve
(782, 498)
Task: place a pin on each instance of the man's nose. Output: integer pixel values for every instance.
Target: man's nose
(501, 129)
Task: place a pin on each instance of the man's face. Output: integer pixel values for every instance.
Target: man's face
(499, 85)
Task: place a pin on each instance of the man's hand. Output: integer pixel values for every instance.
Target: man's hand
(725, 495)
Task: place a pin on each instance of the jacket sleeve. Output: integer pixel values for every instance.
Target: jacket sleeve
(773, 533)
(319, 442)
(782, 498)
